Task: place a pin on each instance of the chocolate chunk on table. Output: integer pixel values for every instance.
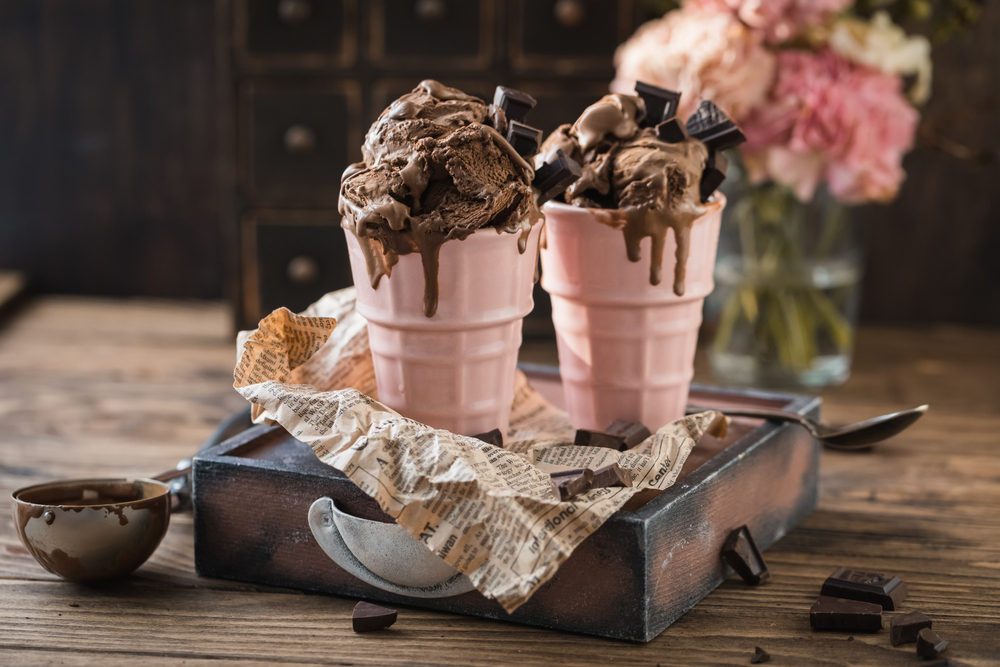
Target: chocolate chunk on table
(494, 437)
(929, 645)
(524, 139)
(743, 556)
(585, 438)
(633, 432)
(515, 103)
(713, 175)
(904, 628)
(759, 656)
(840, 614)
(611, 475)
(553, 177)
(568, 484)
(874, 587)
(368, 617)
(711, 125)
(661, 104)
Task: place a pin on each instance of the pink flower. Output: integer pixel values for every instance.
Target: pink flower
(779, 20)
(827, 118)
(701, 52)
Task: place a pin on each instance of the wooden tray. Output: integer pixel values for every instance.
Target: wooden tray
(630, 580)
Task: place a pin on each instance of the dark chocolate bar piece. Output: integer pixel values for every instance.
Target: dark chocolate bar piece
(585, 438)
(714, 174)
(929, 645)
(866, 587)
(524, 139)
(742, 555)
(671, 131)
(515, 103)
(494, 437)
(840, 614)
(661, 104)
(759, 656)
(368, 617)
(633, 432)
(904, 628)
(712, 126)
(568, 484)
(553, 177)
(611, 475)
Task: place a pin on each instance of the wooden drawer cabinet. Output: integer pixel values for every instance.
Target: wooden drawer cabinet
(568, 36)
(420, 34)
(296, 33)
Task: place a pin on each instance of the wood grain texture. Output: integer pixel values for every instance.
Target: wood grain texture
(923, 506)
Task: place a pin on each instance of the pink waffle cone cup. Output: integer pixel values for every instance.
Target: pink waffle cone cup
(455, 370)
(626, 347)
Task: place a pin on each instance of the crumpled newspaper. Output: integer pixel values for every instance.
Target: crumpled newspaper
(490, 512)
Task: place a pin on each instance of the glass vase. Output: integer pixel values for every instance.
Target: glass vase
(787, 289)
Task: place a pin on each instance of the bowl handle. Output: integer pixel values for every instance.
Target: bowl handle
(324, 529)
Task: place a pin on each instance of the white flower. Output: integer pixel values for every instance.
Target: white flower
(885, 46)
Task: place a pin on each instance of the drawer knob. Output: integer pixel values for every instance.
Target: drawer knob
(300, 139)
(294, 12)
(303, 270)
(431, 10)
(570, 13)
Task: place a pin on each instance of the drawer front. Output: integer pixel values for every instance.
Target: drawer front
(297, 140)
(416, 34)
(291, 259)
(299, 33)
(568, 36)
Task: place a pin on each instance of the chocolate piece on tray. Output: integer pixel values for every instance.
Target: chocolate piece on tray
(712, 126)
(524, 139)
(368, 617)
(633, 432)
(611, 475)
(552, 178)
(714, 174)
(515, 103)
(494, 437)
(661, 104)
(671, 131)
(929, 645)
(759, 656)
(866, 586)
(585, 438)
(839, 614)
(904, 628)
(742, 555)
(568, 484)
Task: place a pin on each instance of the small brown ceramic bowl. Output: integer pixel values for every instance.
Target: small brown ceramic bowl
(92, 529)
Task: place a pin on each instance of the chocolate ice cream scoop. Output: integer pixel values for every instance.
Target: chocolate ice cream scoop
(645, 183)
(436, 168)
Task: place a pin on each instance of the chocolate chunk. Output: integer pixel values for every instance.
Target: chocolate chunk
(839, 614)
(661, 104)
(945, 662)
(494, 437)
(712, 126)
(759, 656)
(515, 103)
(633, 432)
(523, 138)
(585, 438)
(552, 178)
(714, 174)
(368, 617)
(671, 131)
(742, 555)
(929, 645)
(568, 484)
(904, 628)
(865, 586)
(611, 475)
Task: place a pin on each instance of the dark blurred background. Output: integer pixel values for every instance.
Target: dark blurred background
(191, 149)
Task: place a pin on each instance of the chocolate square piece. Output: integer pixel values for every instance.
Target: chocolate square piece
(611, 475)
(633, 432)
(760, 656)
(368, 617)
(904, 628)
(840, 614)
(712, 126)
(515, 103)
(929, 645)
(742, 555)
(671, 131)
(568, 484)
(714, 174)
(494, 437)
(880, 589)
(553, 177)
(661, 104)
(524, 139)
(585, 438)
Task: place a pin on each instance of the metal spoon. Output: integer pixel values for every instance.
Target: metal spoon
(861, 435)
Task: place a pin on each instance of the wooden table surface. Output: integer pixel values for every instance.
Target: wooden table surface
(126, 388)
